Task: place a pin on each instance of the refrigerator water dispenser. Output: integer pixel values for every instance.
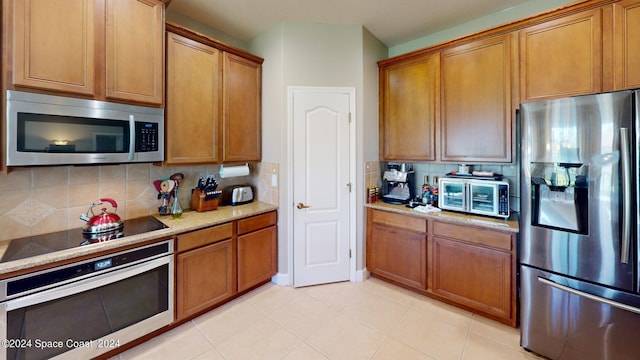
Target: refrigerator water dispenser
(559, 196)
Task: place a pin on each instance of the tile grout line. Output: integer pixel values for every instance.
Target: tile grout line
(206, 338)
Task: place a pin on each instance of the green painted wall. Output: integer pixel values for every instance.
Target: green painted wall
(506, 16)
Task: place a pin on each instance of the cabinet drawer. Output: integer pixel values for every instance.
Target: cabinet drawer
(495, 239)
(203, 237)
(399, 221)
(257, 222)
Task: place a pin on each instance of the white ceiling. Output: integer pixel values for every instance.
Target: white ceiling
(392, 21)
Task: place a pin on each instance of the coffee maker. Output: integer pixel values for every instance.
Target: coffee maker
(398, 184)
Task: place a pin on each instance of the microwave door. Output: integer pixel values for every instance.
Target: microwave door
(483, 198)
(453, 195)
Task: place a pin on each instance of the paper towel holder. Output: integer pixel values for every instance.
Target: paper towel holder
(234, 171)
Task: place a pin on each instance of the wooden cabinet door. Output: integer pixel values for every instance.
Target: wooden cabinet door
(53, 45)
(472, 275)
(409, 108)
(193, 101)
(626, 44)
(204, 277)
(476, 121)
(257, 257)
(562, 57)
(242, 132)
(135, 50)
(397, 254)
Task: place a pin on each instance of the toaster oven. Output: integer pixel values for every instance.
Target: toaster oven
(482, 197)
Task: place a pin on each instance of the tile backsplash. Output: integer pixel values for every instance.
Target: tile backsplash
(40, 200)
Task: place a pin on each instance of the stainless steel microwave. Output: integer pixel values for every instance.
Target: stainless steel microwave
(482, 197)
(54, 130)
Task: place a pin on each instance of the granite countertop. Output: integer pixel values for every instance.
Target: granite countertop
(189, 221)
(509, 225)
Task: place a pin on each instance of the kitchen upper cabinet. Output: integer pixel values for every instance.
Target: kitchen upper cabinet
(626, 44)
(409, 93)
(213, 112)
(397, 248)
(241, 126)
(100, 49)
(135, 50)
(54, 45)
(562, 57)
(193, 106)
(477, 108)
(257, 249)
(205, 269)
(474, 267)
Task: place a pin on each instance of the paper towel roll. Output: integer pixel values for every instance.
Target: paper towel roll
(234, 171)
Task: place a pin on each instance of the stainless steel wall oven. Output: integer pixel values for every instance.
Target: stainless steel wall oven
(87, 308)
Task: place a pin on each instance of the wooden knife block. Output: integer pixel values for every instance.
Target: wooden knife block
(199, 204)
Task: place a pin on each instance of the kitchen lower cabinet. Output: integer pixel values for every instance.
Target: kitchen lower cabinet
(474, 267)
(471, 267)
(257, 249)
(219, 263)
(397, 248)
(205, 269)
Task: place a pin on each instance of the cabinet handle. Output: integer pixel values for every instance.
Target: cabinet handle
(302, 206)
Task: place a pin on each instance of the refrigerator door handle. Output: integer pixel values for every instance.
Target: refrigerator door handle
(589, 296)
(625, 160)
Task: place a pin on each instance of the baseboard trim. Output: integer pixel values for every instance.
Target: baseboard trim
(361, 275)
(281, 279)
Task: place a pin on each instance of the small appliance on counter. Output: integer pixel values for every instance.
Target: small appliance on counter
(475, 196)
(398, 184)
(237, 195)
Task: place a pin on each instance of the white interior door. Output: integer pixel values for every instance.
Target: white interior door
(321, 186)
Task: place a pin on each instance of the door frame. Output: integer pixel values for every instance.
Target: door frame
(351, 91)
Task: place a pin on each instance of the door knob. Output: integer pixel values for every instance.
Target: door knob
(302, 206)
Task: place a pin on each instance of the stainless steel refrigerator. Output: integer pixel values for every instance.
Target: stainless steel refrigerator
(579, 286)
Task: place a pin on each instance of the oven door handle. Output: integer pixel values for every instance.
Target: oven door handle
(90, 283)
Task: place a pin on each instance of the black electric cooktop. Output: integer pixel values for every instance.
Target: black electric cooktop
(47, 243)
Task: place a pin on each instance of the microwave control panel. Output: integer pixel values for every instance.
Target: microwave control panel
(503, 200)
(146, 136)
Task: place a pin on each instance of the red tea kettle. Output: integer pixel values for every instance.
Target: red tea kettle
(103, 222)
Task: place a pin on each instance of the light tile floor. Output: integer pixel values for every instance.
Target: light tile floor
(351, 321)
